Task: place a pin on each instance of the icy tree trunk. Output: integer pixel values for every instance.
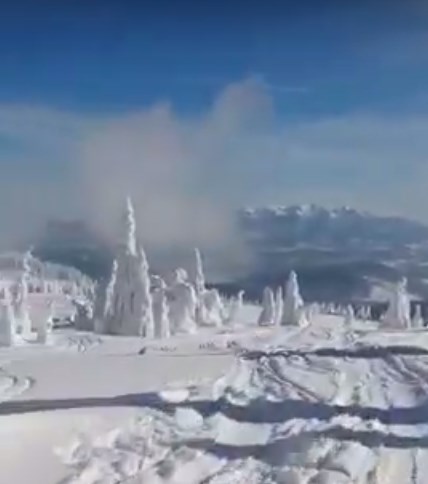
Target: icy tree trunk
(267, 316)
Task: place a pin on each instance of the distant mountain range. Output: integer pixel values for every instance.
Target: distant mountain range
(340, 255)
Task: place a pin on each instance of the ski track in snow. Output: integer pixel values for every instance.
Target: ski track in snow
(321, 404)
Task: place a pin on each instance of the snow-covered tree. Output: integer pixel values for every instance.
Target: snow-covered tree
(129, 305)
(84, 317)
(235, 307)
(279, 306)
(364, 313)
(349, 315)
(7, 323)
(198, 277)
(215, 313)
(20, 306)
(267, 316)
(183, 306)
(198, 281)
(145, 303)
(417, 320)
(161, 311)
(313, 311)
(398, 312)
(44, 325)
(293, 302)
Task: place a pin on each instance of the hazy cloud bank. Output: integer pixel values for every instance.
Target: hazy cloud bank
(188, 174)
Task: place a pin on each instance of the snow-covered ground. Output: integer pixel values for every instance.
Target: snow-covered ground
(320, 404)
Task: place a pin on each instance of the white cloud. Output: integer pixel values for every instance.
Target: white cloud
(187, 174)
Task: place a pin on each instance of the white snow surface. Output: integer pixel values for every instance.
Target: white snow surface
(326, 403)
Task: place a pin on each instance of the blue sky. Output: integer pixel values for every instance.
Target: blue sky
(211, 105)
(118, 55)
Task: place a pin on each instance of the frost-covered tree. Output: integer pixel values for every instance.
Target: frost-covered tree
(349, 317)
(293, 302)
(417, 320)
(129, 311)
(215, 313)
(199, 277)
(267, 316)
(84, 317)
(198, 281)
(183, 306)
(398, 312)
(20, 306)
(313, 311)
(279, 306)
(104, 314)
(7, 323)
(145, 297)
(44, 325)
(235, 307)
(161, 311)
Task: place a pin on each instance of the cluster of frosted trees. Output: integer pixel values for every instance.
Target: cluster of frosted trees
(15, 320)
(291, 310)
(283, 308)
(135, 304)
(398, 314)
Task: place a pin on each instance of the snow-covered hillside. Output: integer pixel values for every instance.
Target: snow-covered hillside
(323, 403)
(165, 381)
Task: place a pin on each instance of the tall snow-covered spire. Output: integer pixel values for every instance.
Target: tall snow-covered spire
(129, 228)
(418, 320)
(398, 312)
(349, 316)
(146, 303)
(161, 311)
(279, 306)
(7, 322)
(199, 278)
(293, 302)
(267, 316)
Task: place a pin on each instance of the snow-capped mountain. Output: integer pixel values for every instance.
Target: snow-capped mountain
(341, 253)
(312, 224)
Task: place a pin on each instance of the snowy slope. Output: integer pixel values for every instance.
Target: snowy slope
(321, 404)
